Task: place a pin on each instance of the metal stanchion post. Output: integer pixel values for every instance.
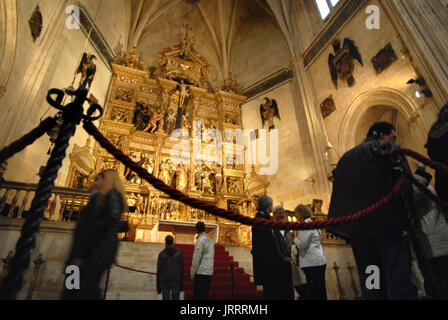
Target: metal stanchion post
(37, 263)
(350, 269)
(6, 262)
(339, 284)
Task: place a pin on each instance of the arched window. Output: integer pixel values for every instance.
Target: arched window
(326, 7)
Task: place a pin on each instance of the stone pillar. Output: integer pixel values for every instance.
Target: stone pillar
(316, 128)
(423, 27)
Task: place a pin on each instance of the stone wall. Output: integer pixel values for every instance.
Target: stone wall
(389, 88)
(292, 183)
(51, 62)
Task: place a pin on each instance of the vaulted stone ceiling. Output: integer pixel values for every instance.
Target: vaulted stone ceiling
(237, 36)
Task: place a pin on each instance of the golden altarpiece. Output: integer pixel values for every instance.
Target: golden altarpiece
(143, 108)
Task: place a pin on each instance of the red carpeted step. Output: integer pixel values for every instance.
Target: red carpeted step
(221, 286)
(216, 265)
(224, 285)
(224, 277)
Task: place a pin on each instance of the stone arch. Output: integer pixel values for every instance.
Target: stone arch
(379, 97)
(8, 40)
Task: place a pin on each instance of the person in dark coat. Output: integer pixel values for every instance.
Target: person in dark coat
(95, 242)
(170, 271)
(265, 263)
(437, 147)
(365, 175)
(283, 240)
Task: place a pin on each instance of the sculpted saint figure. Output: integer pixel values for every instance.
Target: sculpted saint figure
(165, 172)
(182, 178)
(153, 122)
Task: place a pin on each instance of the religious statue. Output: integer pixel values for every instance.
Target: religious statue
(198, 177)
(208, 134)
(141, 117)
(163, 210)
(138, 202)
(342, 63)
(166, 172)
(128, 173)
(183, 93)
(269, 111)
(154, 122)
(170, 122)
(185, 124)
(182, 178)
(86, 63)
(149, 166)
(217, 169)
(153, 205)
(207, 185)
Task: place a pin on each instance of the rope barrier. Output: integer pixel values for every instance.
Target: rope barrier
(131, 269)
(153, 273)
(229, 215)
(49, 123)
(419, 157)
(425, 190)
(29, 138)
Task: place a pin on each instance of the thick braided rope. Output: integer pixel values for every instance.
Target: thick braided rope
(30, 229)
(430, 163)
(29, 138)
(425, 190)
(229, 215)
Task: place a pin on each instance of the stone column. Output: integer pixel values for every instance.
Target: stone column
(306, 93)
(423, 27)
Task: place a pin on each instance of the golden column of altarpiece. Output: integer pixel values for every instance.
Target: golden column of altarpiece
(143, 108)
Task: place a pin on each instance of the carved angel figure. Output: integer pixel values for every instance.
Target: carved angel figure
(269, 111)
(86, 62)
(342, 63)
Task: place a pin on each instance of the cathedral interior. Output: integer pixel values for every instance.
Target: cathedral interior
(252, 97)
